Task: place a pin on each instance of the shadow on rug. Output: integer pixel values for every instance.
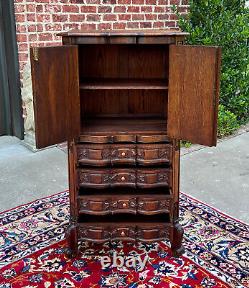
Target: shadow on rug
(32, 251)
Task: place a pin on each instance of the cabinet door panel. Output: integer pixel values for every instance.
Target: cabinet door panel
(193, 93)
(56, 94)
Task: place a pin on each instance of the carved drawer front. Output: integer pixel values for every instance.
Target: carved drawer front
(91, 178)
(154, 154)
(102, 205)
(152, 178)
(94, 233)
(94, 154)
(94, 206)
(121, 155)
(154, 233)
(153, 205)
(123, 233)
(124, 204)
(106, 154)
(123, 178)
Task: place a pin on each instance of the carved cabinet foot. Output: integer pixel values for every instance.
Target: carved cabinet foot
(176, 240)
(72, 241)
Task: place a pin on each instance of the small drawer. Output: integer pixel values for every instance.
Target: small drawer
(123, 232)
(94, 154)
(102, 205)
(153, 178)
(153, 233)
(123, 178)
(94, 205)
(94, 233)
(124, 204)
(154, 154)
(123, 155)
(106, 154)
(92, 178)
(149, 205)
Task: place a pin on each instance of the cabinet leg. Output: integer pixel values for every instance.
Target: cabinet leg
(72, 240)
(176, 240)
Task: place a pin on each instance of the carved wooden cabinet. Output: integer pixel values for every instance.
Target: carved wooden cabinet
(123, 100)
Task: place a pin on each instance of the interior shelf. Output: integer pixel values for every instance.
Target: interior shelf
(110, 125)
(126, 84)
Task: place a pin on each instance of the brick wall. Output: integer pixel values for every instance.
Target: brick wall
(38, 21)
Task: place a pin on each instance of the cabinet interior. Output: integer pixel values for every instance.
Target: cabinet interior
(123, 88)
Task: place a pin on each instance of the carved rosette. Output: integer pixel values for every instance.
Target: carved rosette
(140, 153)
(164, 204)
(163, 154)
(106, 178)
(106, 154)
(84, 178)
(83, 154)
(141, 178)
(163, 177)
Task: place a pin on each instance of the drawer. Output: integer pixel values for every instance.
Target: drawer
(153, 178)
(93, 154)
(106, 204)
(122, 155)
(154, 154)
(105, 154)
(91, 178)
(153, 233)
(144, 232)
(140, 178)
(102, 155)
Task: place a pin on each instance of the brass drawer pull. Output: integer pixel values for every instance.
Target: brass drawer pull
(123, 154)
(122, 178)
(122, 233)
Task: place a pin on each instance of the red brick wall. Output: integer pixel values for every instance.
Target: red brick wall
(38, 21)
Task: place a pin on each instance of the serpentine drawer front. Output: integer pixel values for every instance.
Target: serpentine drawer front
(141, 178)
(145, 232)
(124, 154)
(106, 204)
(105, 155)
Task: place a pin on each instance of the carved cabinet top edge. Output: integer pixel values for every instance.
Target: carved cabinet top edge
(127, 32)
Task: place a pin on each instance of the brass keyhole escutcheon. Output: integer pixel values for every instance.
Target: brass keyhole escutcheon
(124, 205)
(122, 233)
(122, 178)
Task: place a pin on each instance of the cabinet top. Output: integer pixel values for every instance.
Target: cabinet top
(144, 33)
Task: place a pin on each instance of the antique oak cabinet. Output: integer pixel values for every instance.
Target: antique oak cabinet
(123, 100)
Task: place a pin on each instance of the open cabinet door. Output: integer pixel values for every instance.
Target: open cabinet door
(55, 81)
(193, 93)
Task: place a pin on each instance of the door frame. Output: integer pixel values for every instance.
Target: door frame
(11, 120)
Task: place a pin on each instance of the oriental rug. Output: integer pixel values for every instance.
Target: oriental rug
(32, 249)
